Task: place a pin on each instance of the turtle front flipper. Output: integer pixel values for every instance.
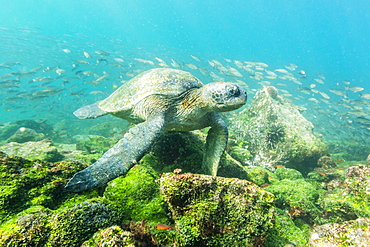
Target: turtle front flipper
(215, 144)
(120, 158)
(90, 111)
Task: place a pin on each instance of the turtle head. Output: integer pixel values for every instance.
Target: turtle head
(224, 96)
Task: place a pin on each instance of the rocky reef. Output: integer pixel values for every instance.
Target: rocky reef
(275, 133)
(277, 186)
(228, 212)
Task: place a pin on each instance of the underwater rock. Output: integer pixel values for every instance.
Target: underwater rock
(349, 233)
(184, 150)
(39, 126)
(277, 133)
(358, 181)
(73, 226)
(137, 196)
(257, 175)
(368, 159)
(30, 228)
(24, 134)
(27, 183)
(111, 236)
(297, 197)
(286, 232)
(287, 173)
(326, 162)
(41, 150)
(350, 200)
(216, 211)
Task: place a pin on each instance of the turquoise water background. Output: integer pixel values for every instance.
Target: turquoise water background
(327, 37)
(331, 36)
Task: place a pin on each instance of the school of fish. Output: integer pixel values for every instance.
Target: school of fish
(52, 76)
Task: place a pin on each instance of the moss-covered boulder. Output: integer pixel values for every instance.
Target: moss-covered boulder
(27, 183)
(276, 133)
(298, 198)
(349, 233)
(69, 226)
(136, 196)
(24, 134)
(39, 126)
(73, 226)
(216, 211)
(287, 173)
(41, 150)
(28, 228)
(113, 236)
(177, 150)
(350, 200)
(258, 175)
(287, 232)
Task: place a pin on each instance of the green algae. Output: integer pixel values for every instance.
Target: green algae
(136, 196)
(111, 237)
(29, 183)
(349, 233)
(287, 232)
(73, 226)
(287, 173)
(28, 228)
(258, 175)
(214, 211)
(297, 197)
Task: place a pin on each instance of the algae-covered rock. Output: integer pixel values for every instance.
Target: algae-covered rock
(39, 126)
(112, 236)
(26, 183)
(216, 211)
(39, 226)
(297, 197)
(25, 135)
(350, 200)
(41, 150)
(358, 181)
(257, 175)
(136, 196)
(29, 228)
(287, 173)
(178, 150)
(349, 233)
(326, 162)
(286, 232)
(277, 133)
(73, 226)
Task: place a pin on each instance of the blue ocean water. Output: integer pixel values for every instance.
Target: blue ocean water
(327, 37)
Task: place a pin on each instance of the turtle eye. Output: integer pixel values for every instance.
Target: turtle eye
(234, 91)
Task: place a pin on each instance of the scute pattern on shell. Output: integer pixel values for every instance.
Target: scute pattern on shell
(160, 81)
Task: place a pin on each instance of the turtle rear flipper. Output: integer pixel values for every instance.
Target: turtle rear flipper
(90, 111)
(120, 158)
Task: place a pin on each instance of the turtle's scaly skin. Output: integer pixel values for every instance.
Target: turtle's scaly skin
(160, 99)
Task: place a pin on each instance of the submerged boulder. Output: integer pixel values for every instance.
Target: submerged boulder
(349, 233)
(24, 134)
(216, 211)
(39, 126)
(276, 133)
(41, 150)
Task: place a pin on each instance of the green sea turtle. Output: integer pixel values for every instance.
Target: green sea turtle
(158, 100)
